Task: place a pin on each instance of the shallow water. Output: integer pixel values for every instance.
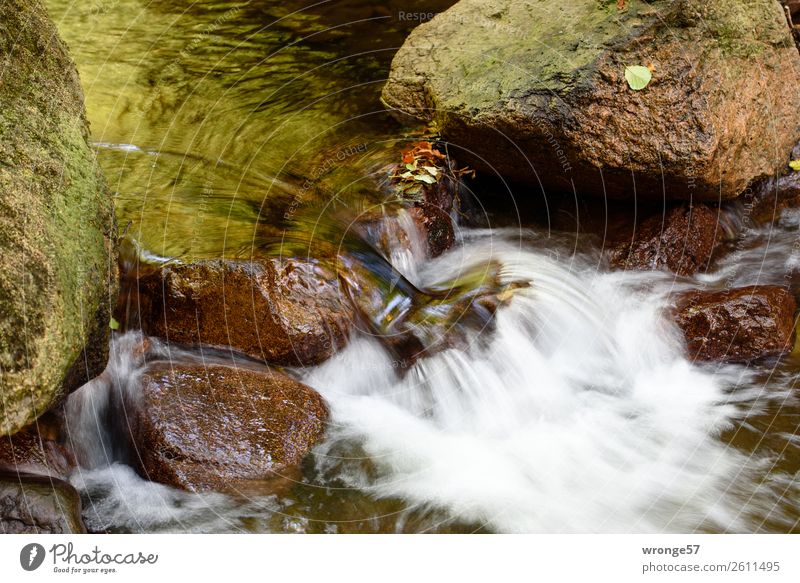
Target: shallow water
(212, 118)
(577, 412)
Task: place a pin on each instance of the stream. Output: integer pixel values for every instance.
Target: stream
(577, 412)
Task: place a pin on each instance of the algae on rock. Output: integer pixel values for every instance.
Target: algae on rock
(534, 90)
(57, 229)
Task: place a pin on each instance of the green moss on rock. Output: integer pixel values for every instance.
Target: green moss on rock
(57, 230)
(535, 91)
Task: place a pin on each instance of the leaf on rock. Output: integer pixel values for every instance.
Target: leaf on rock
(638, 77)
(425, 178)
(795, 165)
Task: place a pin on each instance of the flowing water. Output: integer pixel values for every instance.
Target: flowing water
(575, 411)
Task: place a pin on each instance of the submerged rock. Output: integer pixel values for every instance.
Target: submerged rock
(536, 91)
(57, 233)
(741, 324)
(280, 311)
(38, 505)
(682, 241)
(219, 427)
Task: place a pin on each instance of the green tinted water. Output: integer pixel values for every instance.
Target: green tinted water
(212, 118)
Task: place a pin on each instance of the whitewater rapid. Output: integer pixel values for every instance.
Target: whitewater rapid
(579, 413)
(576, 412)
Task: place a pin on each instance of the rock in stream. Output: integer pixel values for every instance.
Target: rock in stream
(280, 311)
(57, 228)
(737, 325)
(535, 91)
(224, 427)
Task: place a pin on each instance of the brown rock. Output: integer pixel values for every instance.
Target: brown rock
(281, 311)
(737, 325)
(436, 223)
(34, 450)
(682, 241)
(535, 91)
(766, 199)
(38, 505)
(218, 427)
(431, 203)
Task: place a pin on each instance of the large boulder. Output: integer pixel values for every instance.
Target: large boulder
(222, 427)
(57, 233)
(281, 311)
(536, 91)
(737, 325)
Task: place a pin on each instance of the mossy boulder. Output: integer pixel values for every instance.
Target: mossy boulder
(57, 229)
(535, 90)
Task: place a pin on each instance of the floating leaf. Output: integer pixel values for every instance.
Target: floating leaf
(638, 77)
(425, 178)
(113, 324)
(795, 165)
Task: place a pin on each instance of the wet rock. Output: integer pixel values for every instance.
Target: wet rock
(792, 8)
(536, 92)
(35, 450)
(741, 324)
(38, 505)
(280, 311)
(57, 231)
(768, 198)
(436, 223)
(682, 241)
(219, 427)
(430, 181)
